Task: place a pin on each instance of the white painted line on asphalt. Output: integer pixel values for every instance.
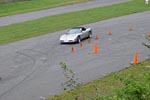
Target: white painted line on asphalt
(42, 98)
(109, 39)
(15, 66)
(44, 59)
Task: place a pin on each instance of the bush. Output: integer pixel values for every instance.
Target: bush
(71, 80)
(132, 89)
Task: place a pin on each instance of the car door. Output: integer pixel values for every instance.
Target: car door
(84, 34)
(81, 34)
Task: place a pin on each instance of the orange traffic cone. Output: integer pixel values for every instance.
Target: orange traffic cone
(97, 37)
(135, 59)
(109, 32)
(81, 45)
(95, 49)
(130, 27)
(72, 50)
(148, 34)
(89, 40)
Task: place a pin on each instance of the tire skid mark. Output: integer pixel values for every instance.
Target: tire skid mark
(31, 56)
(32, 71)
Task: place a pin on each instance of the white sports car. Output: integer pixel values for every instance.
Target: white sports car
(76, 34)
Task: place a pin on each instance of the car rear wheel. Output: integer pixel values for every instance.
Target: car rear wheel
(78, 39)
(90, 35)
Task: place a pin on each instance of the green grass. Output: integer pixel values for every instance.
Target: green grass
(10, 1)
(32, 5)
(107, 85)
(50, 24)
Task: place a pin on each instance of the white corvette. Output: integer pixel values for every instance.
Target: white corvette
(76, 34)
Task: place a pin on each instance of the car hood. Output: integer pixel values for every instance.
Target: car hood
(68, 37)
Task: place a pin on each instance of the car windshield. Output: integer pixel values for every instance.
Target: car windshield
(74, 31)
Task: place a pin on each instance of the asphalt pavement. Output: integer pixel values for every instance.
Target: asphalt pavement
(54, 11)
(30, 68)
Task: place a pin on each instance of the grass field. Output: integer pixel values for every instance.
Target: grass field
(10, 1)
(111, 83)
(32, 5)
(50, 24)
